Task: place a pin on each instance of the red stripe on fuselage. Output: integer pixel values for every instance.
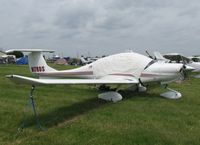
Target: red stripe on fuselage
(121, 74)
(63, 74)
(148, 75)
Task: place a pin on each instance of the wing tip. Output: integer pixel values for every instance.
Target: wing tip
(9, 76)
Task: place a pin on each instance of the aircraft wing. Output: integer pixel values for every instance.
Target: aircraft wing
(106, 80)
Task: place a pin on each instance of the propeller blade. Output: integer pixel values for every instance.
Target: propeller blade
(185, 70)
(149, 54)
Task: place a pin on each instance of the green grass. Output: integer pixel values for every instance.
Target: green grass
(74, 115)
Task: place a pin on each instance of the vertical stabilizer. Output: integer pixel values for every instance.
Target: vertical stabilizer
(37, 63)
(158, 56)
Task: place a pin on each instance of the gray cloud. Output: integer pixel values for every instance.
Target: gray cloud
(82, 26)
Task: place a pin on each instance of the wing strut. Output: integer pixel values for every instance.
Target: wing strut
(32, 104)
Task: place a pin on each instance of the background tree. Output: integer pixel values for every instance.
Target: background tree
(18, 54)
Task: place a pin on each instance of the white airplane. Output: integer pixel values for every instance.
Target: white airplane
(130, 69)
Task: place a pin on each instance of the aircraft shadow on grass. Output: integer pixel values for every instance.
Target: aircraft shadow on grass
(67, 114)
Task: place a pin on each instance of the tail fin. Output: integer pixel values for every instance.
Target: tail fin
(36, 60)
(159, 57)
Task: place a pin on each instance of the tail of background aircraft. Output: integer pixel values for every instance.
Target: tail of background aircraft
(158, 56)
(37, 63)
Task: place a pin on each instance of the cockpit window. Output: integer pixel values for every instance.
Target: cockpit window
(150, 63)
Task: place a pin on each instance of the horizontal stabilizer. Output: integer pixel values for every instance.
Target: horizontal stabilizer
(29, 50)
(34, 81)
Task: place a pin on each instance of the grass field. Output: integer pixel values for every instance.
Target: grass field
(73, 115)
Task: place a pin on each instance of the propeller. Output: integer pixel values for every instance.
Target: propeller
(186, 68)
(183, 70)
(150, 56)
(183, 73)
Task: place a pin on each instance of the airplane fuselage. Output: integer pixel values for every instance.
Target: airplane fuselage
(121, 65)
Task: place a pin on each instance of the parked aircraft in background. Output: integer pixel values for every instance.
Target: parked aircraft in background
(160, 58)
(178, 58)
(195, 58)
(88, 60)
(84, 61)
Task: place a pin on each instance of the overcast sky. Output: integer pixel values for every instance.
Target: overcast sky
(97, 27)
